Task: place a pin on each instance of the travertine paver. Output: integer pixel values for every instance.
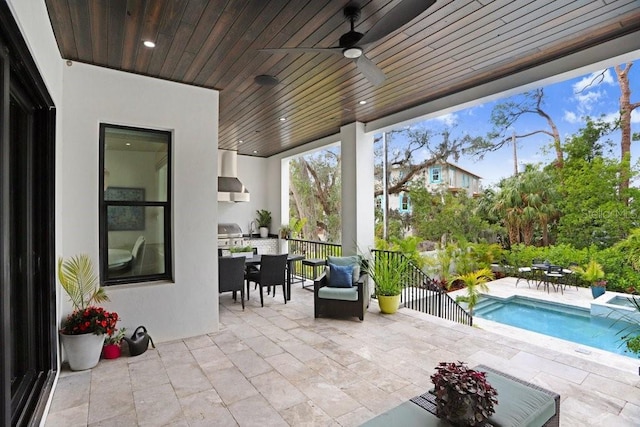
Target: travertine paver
(278, 365)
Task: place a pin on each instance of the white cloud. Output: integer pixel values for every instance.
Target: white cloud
(593, 80)
(571, 117)
(611, 117)
(589, 91)
(448, 119)
(586, 100)
(471, 111)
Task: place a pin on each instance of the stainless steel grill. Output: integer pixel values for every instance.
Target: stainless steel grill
(230, 234)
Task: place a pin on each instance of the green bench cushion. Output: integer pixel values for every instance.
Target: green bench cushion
(344, 294)
(518, 404)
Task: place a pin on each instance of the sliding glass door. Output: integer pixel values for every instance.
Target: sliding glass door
(27, 279)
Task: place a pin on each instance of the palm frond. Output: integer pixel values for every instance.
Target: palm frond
(78, 279)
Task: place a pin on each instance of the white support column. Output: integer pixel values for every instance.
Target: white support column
(284, 201)
(358, 217)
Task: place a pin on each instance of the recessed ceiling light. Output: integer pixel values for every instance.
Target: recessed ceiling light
(149, 43)
(128, 144)
(255, 151)
(282, 119)
(240, 141)
(362, 102)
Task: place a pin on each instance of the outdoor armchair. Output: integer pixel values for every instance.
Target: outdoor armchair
(341, 301)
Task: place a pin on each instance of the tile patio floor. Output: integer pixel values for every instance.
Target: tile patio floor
(278, 366)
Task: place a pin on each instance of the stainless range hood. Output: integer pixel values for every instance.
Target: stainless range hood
(230, 189)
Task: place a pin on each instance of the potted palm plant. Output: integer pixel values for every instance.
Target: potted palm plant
(83, 331)
(285, 231)
(593, 273)
(263, 219)
(387, 271)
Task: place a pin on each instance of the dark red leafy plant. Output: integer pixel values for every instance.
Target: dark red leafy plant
(463, 395)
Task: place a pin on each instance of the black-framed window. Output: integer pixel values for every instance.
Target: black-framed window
(135, 204)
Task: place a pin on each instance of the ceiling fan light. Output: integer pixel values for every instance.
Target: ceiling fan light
(352, 52)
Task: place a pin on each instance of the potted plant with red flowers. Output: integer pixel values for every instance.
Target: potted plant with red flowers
(83, 331)
(463, 395)
(111, 348)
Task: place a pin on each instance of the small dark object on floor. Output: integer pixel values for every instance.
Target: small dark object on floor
(139, 341)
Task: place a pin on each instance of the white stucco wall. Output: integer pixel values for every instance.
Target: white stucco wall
(93, 95)
(33, 20)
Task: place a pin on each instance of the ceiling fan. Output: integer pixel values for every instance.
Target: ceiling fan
(352, 43)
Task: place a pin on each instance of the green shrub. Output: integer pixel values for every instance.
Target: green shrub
(408, 246)
(487, 253)
(619, 268)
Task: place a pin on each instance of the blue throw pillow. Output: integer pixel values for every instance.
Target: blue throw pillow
(340, 276)
(353, 261)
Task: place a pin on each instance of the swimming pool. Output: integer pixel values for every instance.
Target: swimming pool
(557, 320)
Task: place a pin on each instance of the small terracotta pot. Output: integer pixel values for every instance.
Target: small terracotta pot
(111, 351)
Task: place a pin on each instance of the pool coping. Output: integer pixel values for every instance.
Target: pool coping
(581, 298)
(601, 307)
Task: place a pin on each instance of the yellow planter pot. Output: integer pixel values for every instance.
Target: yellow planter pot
(389, 305)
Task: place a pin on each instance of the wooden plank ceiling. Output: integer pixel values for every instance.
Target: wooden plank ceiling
(454, 45)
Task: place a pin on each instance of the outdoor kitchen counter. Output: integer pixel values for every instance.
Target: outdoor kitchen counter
(265, 245)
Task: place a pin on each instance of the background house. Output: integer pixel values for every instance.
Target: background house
(437, 177)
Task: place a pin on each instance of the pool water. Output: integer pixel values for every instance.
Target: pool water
(557, 320)
(622, 301)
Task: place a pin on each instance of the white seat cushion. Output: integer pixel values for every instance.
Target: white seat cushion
(343, 294)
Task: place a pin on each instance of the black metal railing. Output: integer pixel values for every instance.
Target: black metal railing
(311, 250)
(423, 294)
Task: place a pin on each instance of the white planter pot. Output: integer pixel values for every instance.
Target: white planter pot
(83, 351)
(264, 232)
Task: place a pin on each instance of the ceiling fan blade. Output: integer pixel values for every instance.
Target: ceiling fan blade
(370, 70)
(329, 50)
(396, 18)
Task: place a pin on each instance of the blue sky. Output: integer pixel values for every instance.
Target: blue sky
(568, 103)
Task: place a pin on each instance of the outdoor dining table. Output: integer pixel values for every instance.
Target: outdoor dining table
(538, 274)
(256, 259)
